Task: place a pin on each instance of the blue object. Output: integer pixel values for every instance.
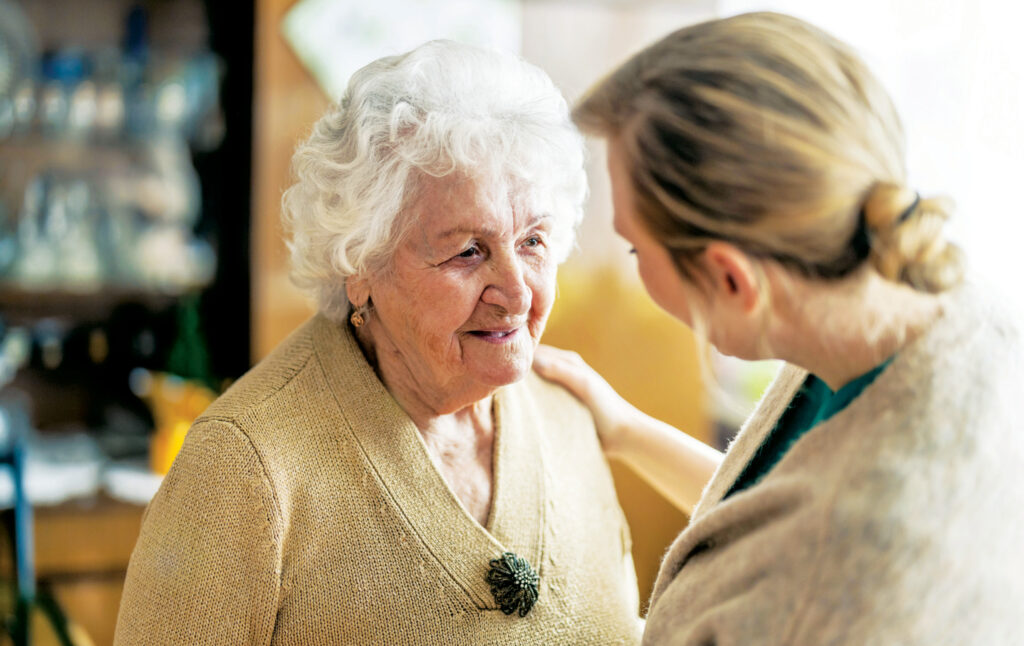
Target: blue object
(14, 431)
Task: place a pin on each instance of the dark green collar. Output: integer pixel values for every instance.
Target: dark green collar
(812, 405)
(831, 402)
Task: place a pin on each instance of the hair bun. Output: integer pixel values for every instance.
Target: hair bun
(908, 243)
(886, 205)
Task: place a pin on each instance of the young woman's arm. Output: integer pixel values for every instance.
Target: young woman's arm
(674, 463)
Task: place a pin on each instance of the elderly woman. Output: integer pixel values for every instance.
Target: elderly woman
(874, 496)
(393, 473)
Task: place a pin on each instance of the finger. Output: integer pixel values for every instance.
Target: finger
(548, 365)
(550, 354)
(541, 360)
(547, 356)
(566, 374)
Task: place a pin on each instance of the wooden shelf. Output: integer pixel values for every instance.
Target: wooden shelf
(93, 536)
(82, 550)
(20, 305)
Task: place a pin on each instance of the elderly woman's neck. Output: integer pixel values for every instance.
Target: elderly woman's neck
(433, 408)
(841, 331)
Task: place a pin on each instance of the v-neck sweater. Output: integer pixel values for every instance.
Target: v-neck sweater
(304, 508)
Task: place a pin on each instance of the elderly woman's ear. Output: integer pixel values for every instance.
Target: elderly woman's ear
(357, 288)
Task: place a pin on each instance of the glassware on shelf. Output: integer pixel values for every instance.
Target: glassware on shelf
(108, 200)
(81, 231)
(104, 193)
(36, 262)
(17, 47)
(56, 236)
(17, 57)
(24, 102)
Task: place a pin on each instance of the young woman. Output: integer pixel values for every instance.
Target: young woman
(874, 495)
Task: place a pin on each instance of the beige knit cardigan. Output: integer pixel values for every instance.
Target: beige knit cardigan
(304, 509)
(899, 521)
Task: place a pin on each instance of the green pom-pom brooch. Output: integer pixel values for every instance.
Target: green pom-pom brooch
(513, 584)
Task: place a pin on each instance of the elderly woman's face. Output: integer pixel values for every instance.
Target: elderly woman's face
(467, 295)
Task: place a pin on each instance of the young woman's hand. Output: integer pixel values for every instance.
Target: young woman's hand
(674, 463)
(612, 414)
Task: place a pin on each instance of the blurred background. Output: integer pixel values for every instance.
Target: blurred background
(144, 147)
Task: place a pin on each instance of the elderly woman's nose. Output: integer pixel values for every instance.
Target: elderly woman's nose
(508, 288)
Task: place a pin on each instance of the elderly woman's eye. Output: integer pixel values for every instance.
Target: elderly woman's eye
(532, 241)
(469, 253)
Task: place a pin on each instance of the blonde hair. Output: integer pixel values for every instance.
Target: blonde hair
(766, 132)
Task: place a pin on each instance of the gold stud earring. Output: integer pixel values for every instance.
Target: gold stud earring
(356, 319)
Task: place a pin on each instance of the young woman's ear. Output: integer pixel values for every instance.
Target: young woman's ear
(732, 277)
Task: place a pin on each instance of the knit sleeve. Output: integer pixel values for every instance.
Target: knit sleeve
(206, 567)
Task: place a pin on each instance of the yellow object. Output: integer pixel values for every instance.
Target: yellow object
(164, 446)
(175, 404)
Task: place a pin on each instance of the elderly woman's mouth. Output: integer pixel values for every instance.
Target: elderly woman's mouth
(496, 336)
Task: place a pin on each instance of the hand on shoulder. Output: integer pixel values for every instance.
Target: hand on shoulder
(611, 412)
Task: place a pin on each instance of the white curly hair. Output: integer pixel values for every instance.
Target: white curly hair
(443, 108)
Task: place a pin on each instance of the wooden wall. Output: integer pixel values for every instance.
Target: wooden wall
(286, 104)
